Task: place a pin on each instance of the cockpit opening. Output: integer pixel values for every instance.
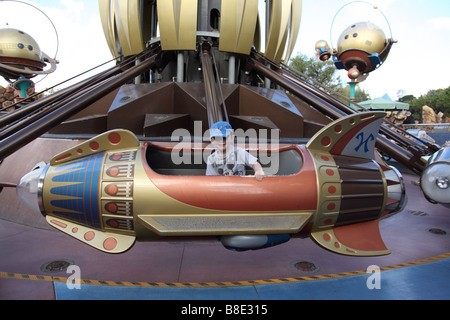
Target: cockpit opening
(173, 161)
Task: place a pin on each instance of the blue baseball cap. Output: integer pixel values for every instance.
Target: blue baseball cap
(220, 129)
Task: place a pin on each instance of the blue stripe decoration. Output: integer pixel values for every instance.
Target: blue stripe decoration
(73, 190)
(91, 190)
(73, 176)
(77, 217)
(83, 204)
(81, 163)
(69, 204)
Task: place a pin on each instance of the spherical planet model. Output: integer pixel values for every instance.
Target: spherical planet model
(365, 36)
(361, 45)
(21, 56)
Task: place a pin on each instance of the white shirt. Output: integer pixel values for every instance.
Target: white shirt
(231, 164)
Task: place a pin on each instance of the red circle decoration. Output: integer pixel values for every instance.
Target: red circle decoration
(111, 207)
(94, 146)
(114, 138)
(113, 171)
(116, 157)
(90, 235)
(111, 189)
(326, 141)
(113, 223)
(110, 243)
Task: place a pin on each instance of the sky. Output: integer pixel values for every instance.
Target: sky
(416, 64)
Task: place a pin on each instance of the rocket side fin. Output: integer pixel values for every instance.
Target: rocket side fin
(360, 239)
(105, 241)
(110, 140)
(353, 135)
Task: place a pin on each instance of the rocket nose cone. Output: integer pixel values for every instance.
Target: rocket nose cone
(29, 188)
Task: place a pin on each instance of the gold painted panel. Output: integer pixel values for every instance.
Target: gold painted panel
(296, 17)
(276, 39)
(127, 18)
(238, 25)
(177, 24)
(105, 8)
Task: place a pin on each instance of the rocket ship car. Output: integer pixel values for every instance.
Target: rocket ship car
(112, 189)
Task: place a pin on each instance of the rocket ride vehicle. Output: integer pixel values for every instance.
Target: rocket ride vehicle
(111, 189)
(111, 167)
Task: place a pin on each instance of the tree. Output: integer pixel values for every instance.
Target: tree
(325, 73)
(438, 99)
(321, 71)
(360, 94)
(406, 98)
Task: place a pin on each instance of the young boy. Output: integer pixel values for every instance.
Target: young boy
(228, 160)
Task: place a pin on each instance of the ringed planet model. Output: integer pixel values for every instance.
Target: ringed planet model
(21, 56)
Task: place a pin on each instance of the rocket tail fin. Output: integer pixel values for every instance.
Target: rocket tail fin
(353, 135)
(105, 241)
(110, 140)
(360, 239)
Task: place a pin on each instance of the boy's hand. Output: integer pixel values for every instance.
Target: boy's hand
(259, 175)
(259, 172)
